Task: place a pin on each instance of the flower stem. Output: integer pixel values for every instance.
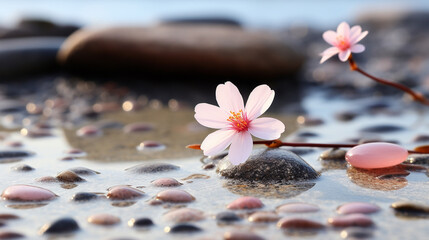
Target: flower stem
(416, 96)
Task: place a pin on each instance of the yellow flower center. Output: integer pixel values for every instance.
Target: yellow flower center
(342, 43)
(238, 121)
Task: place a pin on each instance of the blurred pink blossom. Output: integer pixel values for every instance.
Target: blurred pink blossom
(237, 123)
(344, 42)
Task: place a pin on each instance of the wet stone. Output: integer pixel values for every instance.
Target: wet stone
(155, 202)
(175, 196)
(240, 235)
(297, 208)
(166, 182)
(103, 219)
(299, 223)
(263, 217)
(148, 146)
(307, 134)
(84, 197)
(152, 168)
(208, 166)
(355, 219)
(69, 177)
(184, 215)
(22, 168)
(140, 222)
(382, 129)
(83, 171)
(334, 154)
(196, 176)
(421, 138)
(10, 235)
(346, 116)
(376, 155)
(124, 193)
(309, 121)
(47, 179)
(5, 155)
(182, 228)
(410, 209)
(138, 127)
(227, 217)
(269, 165)
(60, 226)
(27, 193)
(75, 151)
(67, 158)
(35, 133)
(89, 131)
(8, 216)
(356, 233)
(358, 207)
(422, 159)
(245, 203)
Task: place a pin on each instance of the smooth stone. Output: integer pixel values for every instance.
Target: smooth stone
(196, 176)
(150, 146)
(27, 193)
(298, 223)
(35, 133)
(240, 235)
(138, 127)
(166, 182)
(84, 197)
(208, 166)
(89, 131)
(140, 222)
(83, 171)
(356, 233)
(14, 144)
(124, 193)
(227, 217)
(309, 121)
(60, 226)
(334, 154)
(47, 179)
(155, 202)
(8, 216)
(271, 164)
(152, 168)
(202, 20)
(103, 219)
(358, 207)
(67, 158)
(297, 208)
(74, 151)
(410, 209)
(5, 155)
(10, 235)
(245, 203)
(175, 196)
(354, 219)
(182, 228)
(69, 177)
(422, 159)
(307, 134)
(263, 217)
(22, 168)
(421, 138)
(346, 116)
(382, 129)
(376, 155)
(184, 215)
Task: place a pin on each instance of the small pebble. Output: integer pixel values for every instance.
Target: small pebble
(155, 202)
(299, 223)
(410, 209)
(89, 131)
(209, 166)
(35, 133)
(14, 144)
(140, 222)
(355, 219)
(10, 235)
(68, 185)
(138, 127)
(334, 154)
(245, 203)
(358, 207)
(74, 151)
(27, 193)
(241, 235)
(297, 208)
(152, 168)
(382, 129)
(227, 217)
(356, 233)
(103, 219)
(47, 179)
(376, 155)
(184, 215)
(196, 176)
(8, 216)
(69, 177)
(67, 158)
(83, 171)
(307, 134)
(14, 154)
(182, 228)
(421, 138)
(124, 193)
(346, 116)
(166, 182)
(263, 217)
(84, 196)
(422, 159)
(60, 226)
(175, 196)
(22, 168)
(150, 146)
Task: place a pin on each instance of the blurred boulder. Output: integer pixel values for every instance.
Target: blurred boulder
(30, 27)
(180, 50)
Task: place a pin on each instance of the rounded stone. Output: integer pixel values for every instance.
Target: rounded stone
(297, 208)
(385, 128)
(355, 219)
(376, 155)
(227, 217)
(140, 222)
(358, 207)
(6, 155)
(410, 209)
(89, 131)
(27, 193)
(138, 127)
(22, 168)
(166, 182)
(60, 226)
(240, 235)
(152, 168)
(8, 216)
(271, 164)
(150, 146)
(245, 203)
(422, 159)
(175, 196)
(47, 179)
(182, 228)
(83, 171)
(10, 235)
(263, 217)
(84, 197)
(334, 154)
(298, 223)
(354, 233)
(124, 193)
(69, 177)
(103, 219)
(184, 215)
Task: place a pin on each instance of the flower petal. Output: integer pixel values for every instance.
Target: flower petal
(328, 53)
(211, 116)
(217, 141)
(355, 31)
(266, 128)
(344, 30)
(330, 37)
(344, 55)
(259, 101)
(358, 48)
(229, 98)
(360, 37)
(241, 147)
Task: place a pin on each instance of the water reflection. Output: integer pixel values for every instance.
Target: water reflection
(384, 179)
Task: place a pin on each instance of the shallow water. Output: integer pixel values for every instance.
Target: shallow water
(337, 185)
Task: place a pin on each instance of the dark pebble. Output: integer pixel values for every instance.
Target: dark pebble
(8, 216)
(241, 235)
(35, 133)
(152, 168)
(182, 228)
(69, 177)
(422, 159)
(150, 146)
(346, 116)
(334, 154)
(60, 226)
(47, 179)
(14, 154)
(67, 158)
(209, 166)
(309, 121)
(307, 134)
(421, 138)
(22, 168)
(138, 127)
(357, 233)
(382, 129)
(227, 217)
(10, 235)
(298, 223)
(123, 192)
(140, 222)
(410, 209)
(83, 171)
(84, 196)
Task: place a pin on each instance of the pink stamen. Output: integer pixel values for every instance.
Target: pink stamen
(239, 121)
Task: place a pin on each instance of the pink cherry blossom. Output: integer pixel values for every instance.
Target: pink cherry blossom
(237, 123)
(344, 42)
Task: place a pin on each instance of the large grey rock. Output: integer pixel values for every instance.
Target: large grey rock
(275, 164)
(180, 49)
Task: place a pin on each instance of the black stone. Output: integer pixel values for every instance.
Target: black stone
(357, 233)
(14, 154)
(346, 116)
(83, 171)
(141, 222)
(183, 228)
(22, 168)
(275, 164)
(422, 159)
(152, 168)
(63, 225)
(307, 134)
(227, 217)
(334, 154)
(11, 235)
(84, 196)
(410, 209)
(382, 129)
